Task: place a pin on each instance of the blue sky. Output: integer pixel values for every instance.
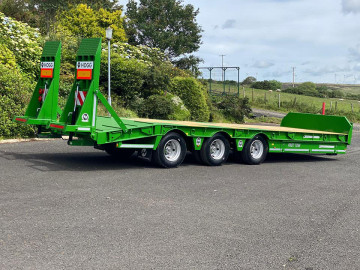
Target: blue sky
(266, 38)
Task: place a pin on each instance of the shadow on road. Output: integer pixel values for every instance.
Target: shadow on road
(290, 158)
(75, 161)
(91, 161)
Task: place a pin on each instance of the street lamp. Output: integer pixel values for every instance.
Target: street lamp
(109, 37)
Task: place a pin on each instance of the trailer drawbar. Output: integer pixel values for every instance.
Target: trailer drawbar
(166, 142)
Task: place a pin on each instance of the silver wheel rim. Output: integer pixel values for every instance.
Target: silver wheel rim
(256, 149)
(172, 150)
(217, 149)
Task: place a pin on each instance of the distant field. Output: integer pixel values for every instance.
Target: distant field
(346, 88)
(257, 99)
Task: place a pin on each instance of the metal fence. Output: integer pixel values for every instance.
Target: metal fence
(222, 80)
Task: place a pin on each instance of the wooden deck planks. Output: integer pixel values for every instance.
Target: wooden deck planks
(233, 126)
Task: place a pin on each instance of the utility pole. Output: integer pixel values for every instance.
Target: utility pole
(293, 76)
(335, 78)
(222, 65)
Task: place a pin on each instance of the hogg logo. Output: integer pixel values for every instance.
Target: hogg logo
(198, 142)
(85, 117)
(84, 65)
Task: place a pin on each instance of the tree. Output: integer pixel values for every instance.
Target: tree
(165, 24)
(308, 89)
(267, 85)
(42, 14)
(85, 22)
(16, 9)
(248, 80)
(190, 63)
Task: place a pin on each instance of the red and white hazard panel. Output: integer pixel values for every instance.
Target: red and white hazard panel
(46, 69)
(84, 70)
(80, 97)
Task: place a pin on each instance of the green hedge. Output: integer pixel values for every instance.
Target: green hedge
(233, 108)
(168, 107)
(193, 93)
(15, 92)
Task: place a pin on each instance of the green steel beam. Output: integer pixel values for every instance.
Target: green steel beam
(111, 111)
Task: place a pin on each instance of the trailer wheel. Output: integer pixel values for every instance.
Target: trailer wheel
(255, 150)
(118, 153)
(171, 151)
(215, 150)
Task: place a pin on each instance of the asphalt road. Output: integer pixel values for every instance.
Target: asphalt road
(65, 207)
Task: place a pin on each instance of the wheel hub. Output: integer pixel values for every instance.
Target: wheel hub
(217, 149)
(172, 150)
(256, 149)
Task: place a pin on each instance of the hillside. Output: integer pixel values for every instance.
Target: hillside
(346, 88)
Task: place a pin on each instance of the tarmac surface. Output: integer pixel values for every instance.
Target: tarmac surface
(64, 207)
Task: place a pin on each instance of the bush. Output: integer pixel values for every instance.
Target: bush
(249, 80)
(24, 43)
(118, 106)
(169, 107)
(157, 106)
(233, 108)
(267, 85)
(15, 92)
(180, 111)
(127, 76)
(7, 58)
(193, 94)
(336, 94)
(137, 72)
(310, 89)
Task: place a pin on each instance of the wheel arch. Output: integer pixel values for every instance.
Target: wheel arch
(226, 135)
(263, 135)
(183, 135)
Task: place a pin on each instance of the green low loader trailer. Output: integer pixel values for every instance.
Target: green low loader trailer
(166, 142)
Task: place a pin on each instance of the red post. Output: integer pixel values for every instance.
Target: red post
(323, 109)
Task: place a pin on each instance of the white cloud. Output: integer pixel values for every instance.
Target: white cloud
(229, 24)
(306, 63)
(351, 6)
(262, 64)
(355, 53)
(306, 34)
(319, 71)
(357, 67)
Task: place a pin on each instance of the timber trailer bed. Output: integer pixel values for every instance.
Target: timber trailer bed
(164, 141)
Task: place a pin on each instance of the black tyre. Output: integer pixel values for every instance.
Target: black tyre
(171, 151)
(215, 150)
(118, 153)
(255, 150)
